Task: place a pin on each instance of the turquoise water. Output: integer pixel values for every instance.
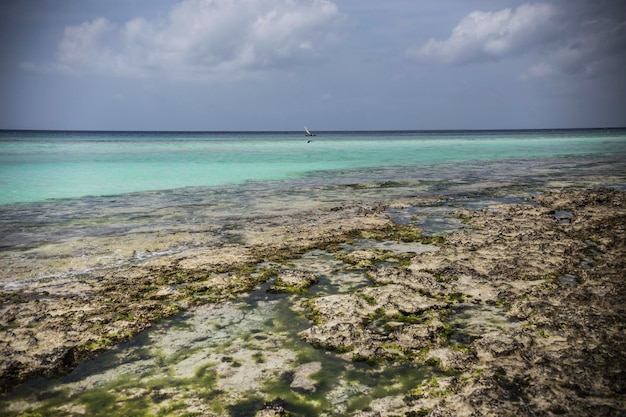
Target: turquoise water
(37, 166)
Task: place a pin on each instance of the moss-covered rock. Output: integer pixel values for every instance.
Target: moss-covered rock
(293, 281)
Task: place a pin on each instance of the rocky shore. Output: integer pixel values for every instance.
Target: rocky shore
(550, 275)
(50, 325)
(521, 312)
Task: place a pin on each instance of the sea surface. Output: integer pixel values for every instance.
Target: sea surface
(38, 166)
(56, 186)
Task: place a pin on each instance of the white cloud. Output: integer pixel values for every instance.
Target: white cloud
(200, 38)
(563, 38)
(491, 35)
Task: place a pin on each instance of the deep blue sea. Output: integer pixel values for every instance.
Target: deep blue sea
(42, 165)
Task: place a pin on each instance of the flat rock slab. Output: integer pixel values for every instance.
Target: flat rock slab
(293, 280)
(302, 377)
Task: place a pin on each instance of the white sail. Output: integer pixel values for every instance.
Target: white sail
(307, 131)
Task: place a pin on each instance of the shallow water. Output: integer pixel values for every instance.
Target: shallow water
(90, 233)
(36, 166)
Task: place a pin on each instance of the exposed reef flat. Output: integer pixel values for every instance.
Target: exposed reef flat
(520, 311)
(524, 312)
(50, 325)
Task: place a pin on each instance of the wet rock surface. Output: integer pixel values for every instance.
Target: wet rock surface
(49, 325)
(293, 281)
(541, 347)
(521, 312)
(302, 377)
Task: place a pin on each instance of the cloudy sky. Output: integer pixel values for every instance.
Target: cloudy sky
(329, 64)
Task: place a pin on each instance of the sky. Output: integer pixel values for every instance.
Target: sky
(220, 65)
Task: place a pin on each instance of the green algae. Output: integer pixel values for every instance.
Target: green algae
(130, 395)
(313, 314)
(374, 257)
(246, 407)
(311, 404)
(367, 298)
(375, 381)
(398, 232)
(103, 403)
(385, 379)
(160, 392)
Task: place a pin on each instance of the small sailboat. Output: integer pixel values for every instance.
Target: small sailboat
(308, 132)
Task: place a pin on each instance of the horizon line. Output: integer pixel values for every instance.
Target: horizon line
(319, 131)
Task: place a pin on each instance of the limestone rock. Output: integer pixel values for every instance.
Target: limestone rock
(293, 281)
(302, 377)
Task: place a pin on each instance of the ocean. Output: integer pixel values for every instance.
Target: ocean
(58, 186)
(37, 166)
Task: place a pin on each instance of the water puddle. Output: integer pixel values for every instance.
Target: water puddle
(433, 220)
(569, 280)
(334, 277)
(563, 216)
(472, 321)
(440, 219)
